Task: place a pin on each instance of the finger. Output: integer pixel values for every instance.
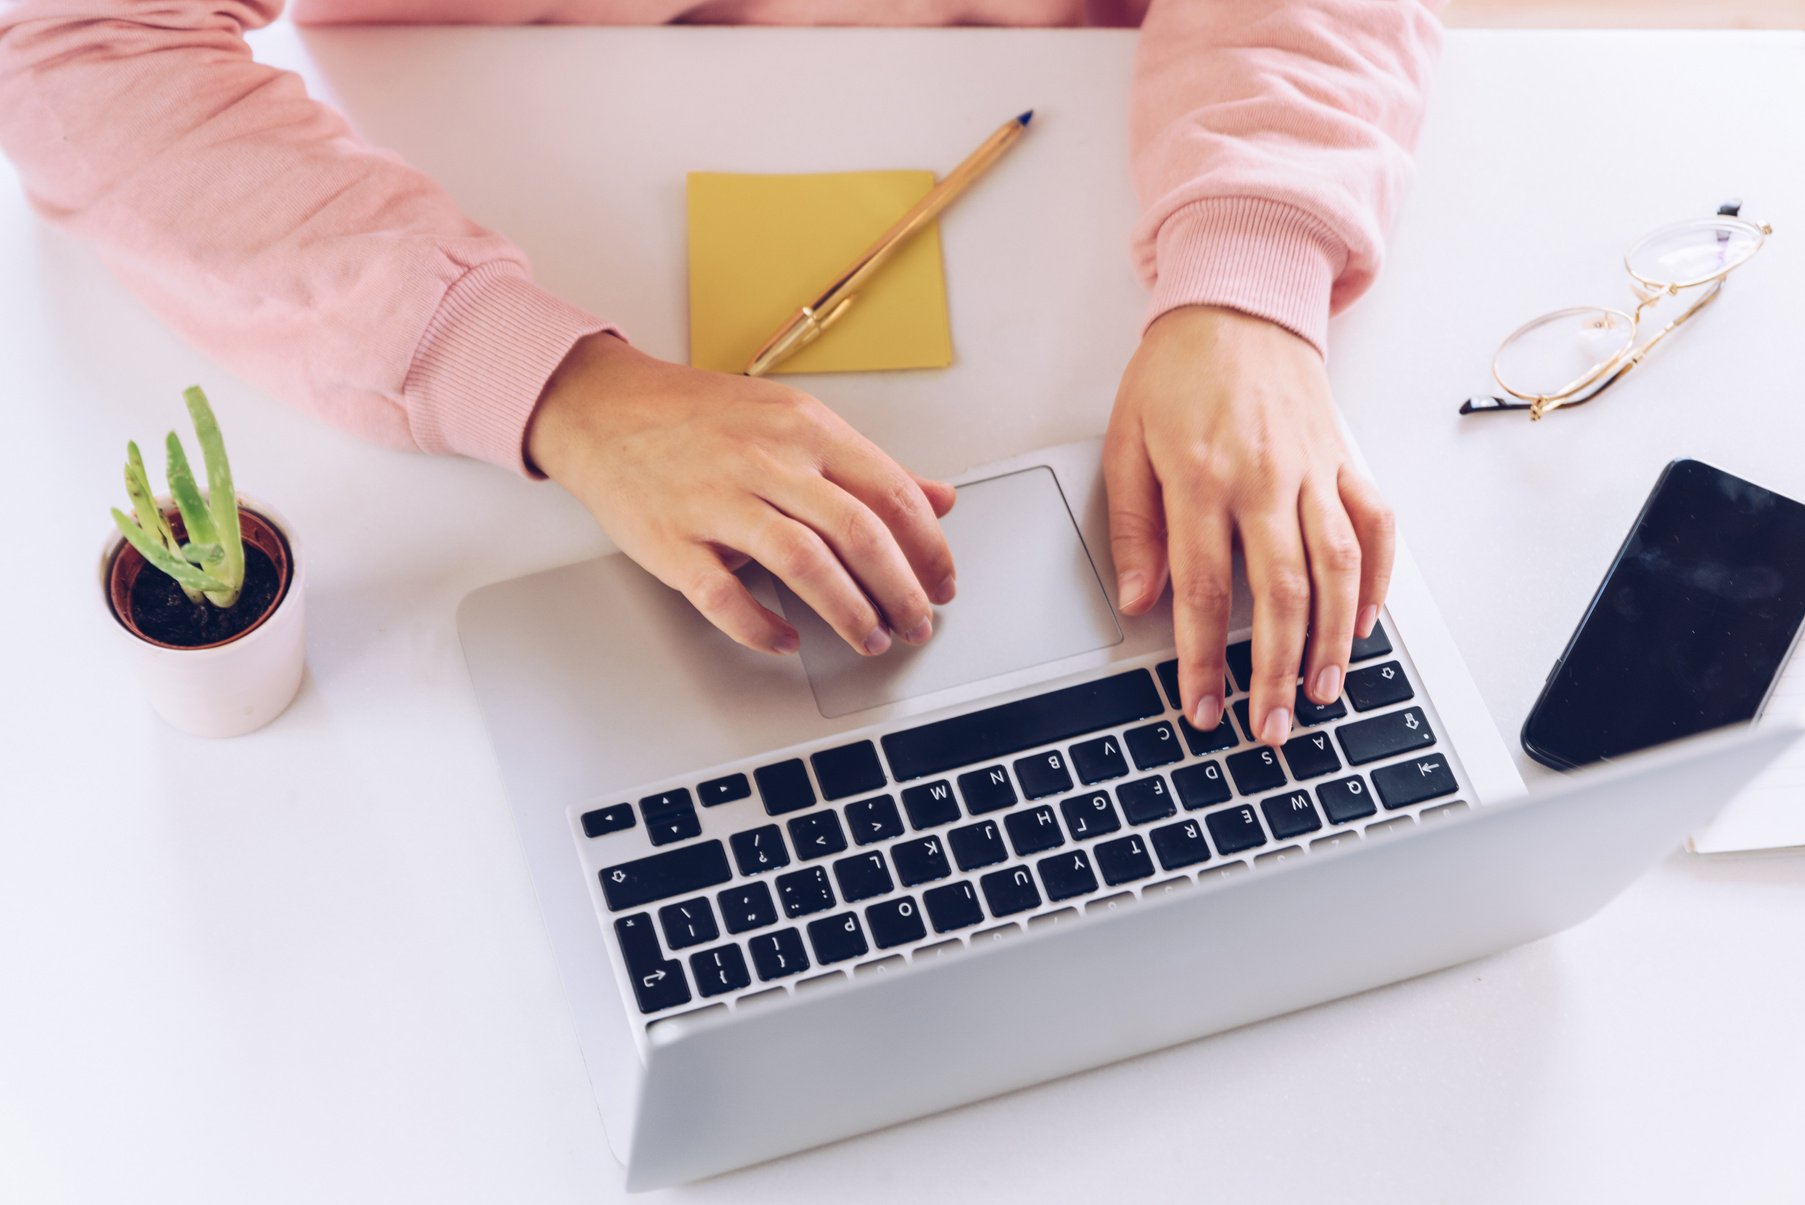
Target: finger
(700, 574)
(1279, 576)
(1137, 524)
(897, 498)
(940, 495)
(1333, 552)
(1377, 531)
(801, 559)
(866, 548)
(1202, 560)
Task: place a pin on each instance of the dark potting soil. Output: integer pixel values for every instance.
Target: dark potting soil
(164, 612)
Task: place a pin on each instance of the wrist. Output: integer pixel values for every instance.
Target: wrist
(575, 386)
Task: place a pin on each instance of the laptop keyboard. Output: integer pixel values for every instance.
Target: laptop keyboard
(936, 837)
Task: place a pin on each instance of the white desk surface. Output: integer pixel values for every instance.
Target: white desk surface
(307, 966)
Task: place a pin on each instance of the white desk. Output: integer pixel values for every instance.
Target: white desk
(318, 974)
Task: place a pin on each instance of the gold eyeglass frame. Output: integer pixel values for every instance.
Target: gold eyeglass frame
(1648, 294)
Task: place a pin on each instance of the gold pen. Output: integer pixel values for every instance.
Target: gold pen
(807, 323)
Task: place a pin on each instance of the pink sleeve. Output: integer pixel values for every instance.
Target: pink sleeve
(1271, 144)
(256, 224)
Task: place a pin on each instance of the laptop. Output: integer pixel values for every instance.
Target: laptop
(793, 900)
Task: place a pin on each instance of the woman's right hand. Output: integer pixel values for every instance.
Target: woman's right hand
(694, 473)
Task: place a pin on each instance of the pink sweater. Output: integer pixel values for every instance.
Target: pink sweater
(1270, 144)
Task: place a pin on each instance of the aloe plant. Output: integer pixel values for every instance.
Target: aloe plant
(209, 565)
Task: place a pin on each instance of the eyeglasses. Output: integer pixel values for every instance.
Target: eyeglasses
(1571, 356)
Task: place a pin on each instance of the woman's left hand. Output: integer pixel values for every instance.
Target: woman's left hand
(1224, 428)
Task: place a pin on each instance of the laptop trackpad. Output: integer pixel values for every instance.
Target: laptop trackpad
(1028, 594)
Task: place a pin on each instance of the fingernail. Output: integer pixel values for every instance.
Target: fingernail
(1277, 727)
(1328, 684)
(878, 642)
(943, 593)
(786, 644)
(1130, 586)
(919, 633)
(1208, 713)
(1369, 616)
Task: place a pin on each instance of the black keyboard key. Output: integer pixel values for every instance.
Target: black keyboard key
(1290, 815)
(994, 732)
(848, 770)
(977, 845)
(1384, 735)
(1311, 756)
(805, 891)
(1345, 799)
(1145, 800)
(920, 861)
(1222, 736)
(680, 871)
(987, 790)
(720, 970)
(717, 791)
(1098, 760)
(1376, 645)
(1033, 831)
(895, 923)
(1235, 829)
(607, 820)
(1090, 815)
(1180, 844)
(1240, 663)
(658, 983)
(1378, 686)
(1153, 746)
(784, 787)
(760, 849)
(670, 817)
(954, 906)
(1009, 891)
(863, 877)
(1307, 714)
(874, 820)
(817, 835)
(748, 906)
(1201, 785)
(1123, 860)
(778, 955)
(930, 804)
(1066, 875)
(1043, 774)
(688, 923)
(1413, 781)
(837, 938)
(1256, 770)
(1168, 679)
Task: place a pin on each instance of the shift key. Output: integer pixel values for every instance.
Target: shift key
(1384, 735)
(659, 877)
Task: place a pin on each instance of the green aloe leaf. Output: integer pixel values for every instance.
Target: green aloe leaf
(187, 576)
(222, 498)
(195, 516)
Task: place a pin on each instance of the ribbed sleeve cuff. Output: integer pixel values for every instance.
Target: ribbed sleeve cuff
(1262, 257)
(483, 361)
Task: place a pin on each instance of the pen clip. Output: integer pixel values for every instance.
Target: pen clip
(831, 315)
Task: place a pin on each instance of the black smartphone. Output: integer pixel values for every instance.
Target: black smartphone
(1689, 628)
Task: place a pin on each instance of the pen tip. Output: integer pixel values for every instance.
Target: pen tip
(1025, 118)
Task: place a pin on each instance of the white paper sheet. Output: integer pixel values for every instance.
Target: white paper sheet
(1769, 814)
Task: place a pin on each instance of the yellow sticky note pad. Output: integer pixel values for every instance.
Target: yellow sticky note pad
(760, 246)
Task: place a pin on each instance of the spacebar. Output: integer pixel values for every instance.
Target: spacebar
(1023, 724)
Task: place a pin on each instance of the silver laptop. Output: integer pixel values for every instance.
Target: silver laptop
(794, 900)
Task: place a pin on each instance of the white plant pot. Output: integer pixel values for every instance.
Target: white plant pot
(232, 688)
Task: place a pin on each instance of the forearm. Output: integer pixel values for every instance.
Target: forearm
(1271, 144)
(256, 224)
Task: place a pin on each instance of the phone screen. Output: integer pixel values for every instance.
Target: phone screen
(1689, 627)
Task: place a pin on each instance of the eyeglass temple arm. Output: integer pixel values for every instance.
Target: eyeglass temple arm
(1486, 403)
